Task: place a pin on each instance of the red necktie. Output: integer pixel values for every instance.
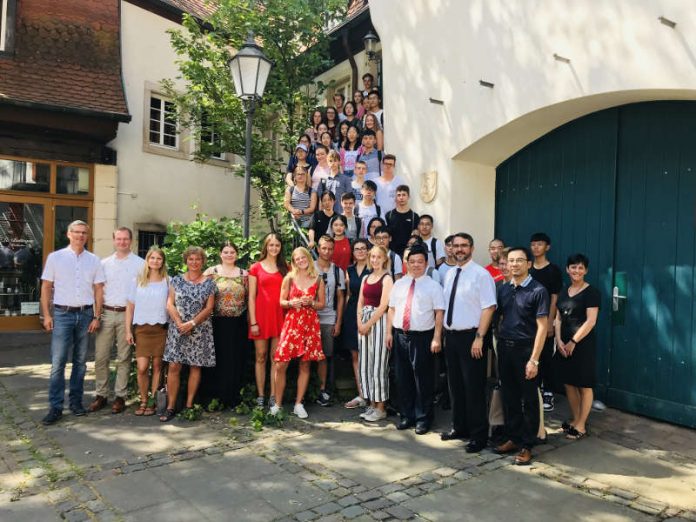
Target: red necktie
(407, 308)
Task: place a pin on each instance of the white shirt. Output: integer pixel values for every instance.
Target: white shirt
(397, 265)
(440, 250)
(320, 174)
(150, 302)
(427, 297)
(73, 276)
(443, 269)
(356, 185)
(120, 274)
(366, 213)
(475, 291)
(386, 192)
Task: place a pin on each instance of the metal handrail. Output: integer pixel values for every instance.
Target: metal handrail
(300, 234)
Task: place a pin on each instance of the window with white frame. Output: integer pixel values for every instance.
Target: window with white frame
(163, 125)
(211, 136)
(4, 10)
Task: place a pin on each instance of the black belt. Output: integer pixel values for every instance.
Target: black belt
(415, 332)
(516, 343)
(468, 330)
(73, 308)
(115, 308)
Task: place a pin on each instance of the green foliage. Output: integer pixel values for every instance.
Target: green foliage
(292, 36)
(209, 234)
(215, 405)
(258, 418)
(192, 414)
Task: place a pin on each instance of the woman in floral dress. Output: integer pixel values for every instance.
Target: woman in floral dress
(190, 337)
(302, 294)
(224, 381)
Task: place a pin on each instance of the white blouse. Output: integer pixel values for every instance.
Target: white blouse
(150, 302)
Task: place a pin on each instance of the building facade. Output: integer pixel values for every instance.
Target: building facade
(574, 118)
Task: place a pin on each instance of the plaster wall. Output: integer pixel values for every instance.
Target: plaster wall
(156, 188)
(613, 52)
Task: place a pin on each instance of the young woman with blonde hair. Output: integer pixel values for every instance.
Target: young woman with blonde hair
(146, 324)
(302, 294)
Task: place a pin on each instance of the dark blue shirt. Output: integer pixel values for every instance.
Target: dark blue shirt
(520, 306)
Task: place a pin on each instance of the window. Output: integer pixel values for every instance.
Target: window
(7, 16)
(211, 137)
(163, 129)
(147, 238)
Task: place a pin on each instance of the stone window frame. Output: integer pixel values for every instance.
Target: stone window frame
(8, 12)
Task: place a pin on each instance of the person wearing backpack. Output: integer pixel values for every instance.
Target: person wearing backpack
(331, 316)
(436, 248)
(402, 220)
(367, 209)
(369, 154)
(387, 184)
(383, 239)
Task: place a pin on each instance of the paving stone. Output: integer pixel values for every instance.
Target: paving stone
(369, 495)
(95, 506)
(650, 510)
(76, 515)
(348, 501)
(328, 509)
(617, 500)
(340, 492)
(400, 513)
(462, 475)
(58, 495)
(358, 489)
(414, 491)
(380, 515)
(331, 518)
(134, 467)
(428, 476)
(352, 512)
(83, 493)
(379, 503)
(493, 465)
(448, 481)
(65, 506)
(445, 471)
(398, 497)
(412, 481)
(688, 515)
(309, 477)
(392, 488)
(347, 483)
(431, 486)
(305, 516)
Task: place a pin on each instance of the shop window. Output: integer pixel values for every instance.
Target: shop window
(25, 175)
(147, 239)
(72, 180)
(163, 122)
(64, 216)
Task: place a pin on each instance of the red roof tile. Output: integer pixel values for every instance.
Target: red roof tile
(197, 8)
(66, 54)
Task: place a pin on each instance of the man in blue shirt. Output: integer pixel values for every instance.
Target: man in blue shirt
(523, 304)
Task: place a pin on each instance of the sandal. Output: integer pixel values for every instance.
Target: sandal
(358, 402)
(141, 410)
(168, 415)
(151, 407)
(574, 434)
(566, 426)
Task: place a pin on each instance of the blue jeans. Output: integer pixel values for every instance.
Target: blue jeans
(69, 332)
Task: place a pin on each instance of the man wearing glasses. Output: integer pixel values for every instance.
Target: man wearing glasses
(524, 307)
(495, 250)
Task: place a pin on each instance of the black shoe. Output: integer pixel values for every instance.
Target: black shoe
(405, 424)
(453, 434)
(324, 398)
(78, 410)
(53, 416)
(474, 446)
(422, 428)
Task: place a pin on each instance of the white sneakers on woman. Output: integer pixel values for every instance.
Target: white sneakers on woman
(376, 415)
(300, 411)
(274, 410)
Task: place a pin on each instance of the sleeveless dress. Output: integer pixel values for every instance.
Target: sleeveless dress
(349, 331)
(373, 354)
(269, 314)
(301, 336)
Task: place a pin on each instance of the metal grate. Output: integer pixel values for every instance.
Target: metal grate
(147, 238)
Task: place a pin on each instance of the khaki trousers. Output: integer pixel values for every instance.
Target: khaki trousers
(112, 330)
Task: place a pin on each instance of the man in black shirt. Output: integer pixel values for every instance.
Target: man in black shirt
(523, 304)
(551, 277)
(402, 220)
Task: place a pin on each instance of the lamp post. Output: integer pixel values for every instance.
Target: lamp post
(250, 69)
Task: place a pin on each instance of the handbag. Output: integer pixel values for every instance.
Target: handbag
(161, 400)
(496, 417)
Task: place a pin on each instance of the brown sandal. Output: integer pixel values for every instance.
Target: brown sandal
(142, 410)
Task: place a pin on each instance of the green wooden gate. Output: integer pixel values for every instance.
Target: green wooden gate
(620, 186)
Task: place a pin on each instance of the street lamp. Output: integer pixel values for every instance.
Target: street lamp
(250, 69)
(370, 41)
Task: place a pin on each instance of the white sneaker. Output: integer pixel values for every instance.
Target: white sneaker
(300, 411)
(357, 402)
(367, 412)
(598, 405)
(271, 402)
(274, 410)
(376, 415)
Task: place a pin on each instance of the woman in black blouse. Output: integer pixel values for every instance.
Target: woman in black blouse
(578, 307)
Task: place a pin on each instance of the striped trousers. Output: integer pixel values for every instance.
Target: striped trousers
(373, 359)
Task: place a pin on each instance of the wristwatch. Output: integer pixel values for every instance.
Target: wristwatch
(535, 363)
(478, 335)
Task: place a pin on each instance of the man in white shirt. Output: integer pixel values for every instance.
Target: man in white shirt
(387, 184)
(470, 298)
(416, 307)
(74, 277)
(120, 269)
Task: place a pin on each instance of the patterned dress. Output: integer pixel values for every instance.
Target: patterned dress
(196, 349)
(301, 336)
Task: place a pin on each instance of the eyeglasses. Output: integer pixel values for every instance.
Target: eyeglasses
(388, 164)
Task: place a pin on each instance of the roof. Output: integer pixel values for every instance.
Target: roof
(66, 57)
(197, 8)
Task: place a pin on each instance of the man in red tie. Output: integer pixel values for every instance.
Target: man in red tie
(414, 326)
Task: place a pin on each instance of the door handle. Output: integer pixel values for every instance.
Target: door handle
(615, 299)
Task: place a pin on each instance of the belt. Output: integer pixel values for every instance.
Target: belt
(115, 308)
(414, 332)
(516, 343)
(73, 308)
(466, 330)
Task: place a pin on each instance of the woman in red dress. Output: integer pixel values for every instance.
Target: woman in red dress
(302, 294)
(342, 253)
(265, 313)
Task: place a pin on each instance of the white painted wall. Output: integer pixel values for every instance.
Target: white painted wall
(154, 188)
(619, 53)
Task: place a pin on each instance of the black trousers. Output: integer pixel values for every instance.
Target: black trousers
(520, 395)
(224, 380)
(414, 374)
(548, 374)
(467, 385)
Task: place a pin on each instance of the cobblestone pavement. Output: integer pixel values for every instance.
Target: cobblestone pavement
(329, 467)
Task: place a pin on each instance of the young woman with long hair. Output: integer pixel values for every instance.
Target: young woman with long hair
(372, 123)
